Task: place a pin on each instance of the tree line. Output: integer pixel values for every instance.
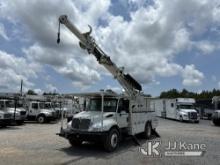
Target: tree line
(205, 94)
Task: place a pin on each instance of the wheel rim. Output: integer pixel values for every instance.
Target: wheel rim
(41, 119)
(114, 140)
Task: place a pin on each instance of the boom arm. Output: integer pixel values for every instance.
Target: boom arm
(131, 86)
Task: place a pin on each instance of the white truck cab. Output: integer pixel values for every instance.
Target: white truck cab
(40, 112)
(18, 114)
(107, 118)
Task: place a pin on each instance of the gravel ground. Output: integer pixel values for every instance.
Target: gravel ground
(34, 143)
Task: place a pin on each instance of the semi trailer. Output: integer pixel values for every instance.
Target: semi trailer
(181, 109)
(216, 114)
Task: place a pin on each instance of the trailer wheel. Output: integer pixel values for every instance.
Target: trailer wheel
(74, 142)
(147, 131)
(41, 119)
(111, 141)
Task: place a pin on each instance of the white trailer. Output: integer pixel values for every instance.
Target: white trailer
(109, 116)
(181, 109)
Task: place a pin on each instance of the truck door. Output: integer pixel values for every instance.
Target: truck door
(33, 111)
(122, 113)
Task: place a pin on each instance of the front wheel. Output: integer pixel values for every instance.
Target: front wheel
(74, 142)
(41, 119)
(111, 140)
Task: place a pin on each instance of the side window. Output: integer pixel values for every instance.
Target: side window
(34, 105)
(172, 105)
(1, 104)
(123, 106)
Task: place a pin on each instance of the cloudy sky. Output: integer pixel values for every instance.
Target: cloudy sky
(163, 43)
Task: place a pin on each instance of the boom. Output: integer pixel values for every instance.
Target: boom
(87, 42)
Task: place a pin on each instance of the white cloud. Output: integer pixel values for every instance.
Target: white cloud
(3, 32)
(206, 47)
(191, 76)
(115, 88)
(51, 88)
(146, 45)
(14, 69)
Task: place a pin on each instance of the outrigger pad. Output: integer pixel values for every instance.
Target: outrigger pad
(155, 133)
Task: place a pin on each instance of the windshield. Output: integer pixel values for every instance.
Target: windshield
(47, 105)
(109, 105)
(186, 106)
(9, 104)
(41, 105)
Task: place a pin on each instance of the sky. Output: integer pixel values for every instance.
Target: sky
(163, 44)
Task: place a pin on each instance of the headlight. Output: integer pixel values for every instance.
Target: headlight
(95, 127)
(185, 115)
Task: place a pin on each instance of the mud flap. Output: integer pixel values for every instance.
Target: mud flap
(154, 132)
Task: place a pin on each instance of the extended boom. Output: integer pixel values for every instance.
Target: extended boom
(87, 42)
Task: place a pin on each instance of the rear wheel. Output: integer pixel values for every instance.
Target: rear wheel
(111, 140)
(41, 119)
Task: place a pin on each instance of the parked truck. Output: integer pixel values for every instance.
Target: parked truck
(40, 112)
(15, 108)
(181, 109)
(216, 114)
(109, 117)
(5, 117)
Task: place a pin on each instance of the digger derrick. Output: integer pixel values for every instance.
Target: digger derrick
(87, 42)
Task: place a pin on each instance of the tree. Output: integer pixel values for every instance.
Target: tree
(31, 92)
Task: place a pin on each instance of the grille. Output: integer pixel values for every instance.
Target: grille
(7, 115)
(80, 123)
(192, 115)
(23, 112)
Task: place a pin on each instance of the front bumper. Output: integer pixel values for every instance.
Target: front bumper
(82, 135)
(4, 122)
(190, 120)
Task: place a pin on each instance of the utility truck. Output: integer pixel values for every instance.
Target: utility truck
(109, 117)
(12, 103)
(181, 109)
(39, 110)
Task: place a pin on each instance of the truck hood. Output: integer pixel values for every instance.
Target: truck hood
(93, 115)
(12, 110)
(188, 110)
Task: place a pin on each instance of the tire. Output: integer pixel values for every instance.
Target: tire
(181, 119)
(111, 140)
(197, 121)
(147, 131)
(74, 142)
(41, 119)
(20, 122)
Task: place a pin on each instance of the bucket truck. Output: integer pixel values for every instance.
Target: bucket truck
(108, 116)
